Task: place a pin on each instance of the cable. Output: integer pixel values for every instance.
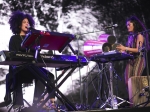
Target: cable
(81, 94)
(93, 83)
(44, 62)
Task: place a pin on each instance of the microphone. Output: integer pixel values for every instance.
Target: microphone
(30, 28)
(140, 49)
(114, 25)
(145, 89)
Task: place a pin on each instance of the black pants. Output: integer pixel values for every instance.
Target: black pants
(14, 83)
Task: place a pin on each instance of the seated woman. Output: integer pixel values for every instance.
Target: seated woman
(19, 23)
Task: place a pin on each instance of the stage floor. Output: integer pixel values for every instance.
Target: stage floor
(139, 109)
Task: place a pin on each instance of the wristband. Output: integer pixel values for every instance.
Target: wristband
(126, 49)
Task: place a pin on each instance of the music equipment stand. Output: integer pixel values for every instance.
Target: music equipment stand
(50, 41)
(109, 57)
(47, 40)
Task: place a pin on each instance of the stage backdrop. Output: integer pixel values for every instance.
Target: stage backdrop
(76, 17)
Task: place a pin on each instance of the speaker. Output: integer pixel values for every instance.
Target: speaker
(138, 90)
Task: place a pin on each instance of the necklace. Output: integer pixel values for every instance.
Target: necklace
(21, 37)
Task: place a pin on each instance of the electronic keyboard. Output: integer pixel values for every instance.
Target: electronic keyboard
(44, 60)
(110, 56)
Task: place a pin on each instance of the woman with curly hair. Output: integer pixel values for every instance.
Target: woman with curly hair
(19, 23)
(134, 66)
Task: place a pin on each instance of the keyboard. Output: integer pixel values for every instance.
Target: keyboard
(110, 56)
(43, 60)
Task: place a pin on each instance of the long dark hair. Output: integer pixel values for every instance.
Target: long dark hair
(16, 19)
(139, 27)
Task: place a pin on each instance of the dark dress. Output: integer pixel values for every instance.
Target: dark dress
(14, 81)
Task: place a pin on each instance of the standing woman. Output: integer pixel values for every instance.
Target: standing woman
(135, 41)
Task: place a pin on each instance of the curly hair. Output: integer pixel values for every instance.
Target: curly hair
(138, 26)
(16, 19)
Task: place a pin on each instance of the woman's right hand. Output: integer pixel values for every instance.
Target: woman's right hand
(121, 48)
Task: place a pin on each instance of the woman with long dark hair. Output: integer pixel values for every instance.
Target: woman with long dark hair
(135, 41)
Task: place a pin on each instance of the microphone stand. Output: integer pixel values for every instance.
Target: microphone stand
(147, 69)
(79, 65)
(148, 76)
(77, 53)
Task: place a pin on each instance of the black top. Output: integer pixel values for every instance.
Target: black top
(15, 43)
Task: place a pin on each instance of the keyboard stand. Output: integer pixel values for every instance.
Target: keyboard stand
(39, 75)
(109, 57)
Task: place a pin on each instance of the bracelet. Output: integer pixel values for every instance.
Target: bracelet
(126, 49)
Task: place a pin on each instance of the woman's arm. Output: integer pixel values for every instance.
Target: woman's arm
(140, 40)
(12, 44)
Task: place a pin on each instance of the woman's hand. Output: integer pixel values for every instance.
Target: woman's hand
(121, 48)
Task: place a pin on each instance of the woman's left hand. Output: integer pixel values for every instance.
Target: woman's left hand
(121, 48)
